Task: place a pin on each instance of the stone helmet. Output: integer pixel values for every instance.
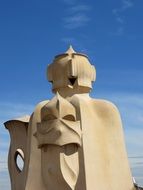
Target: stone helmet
(71, 70)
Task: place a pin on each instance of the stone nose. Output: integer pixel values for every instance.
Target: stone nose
(58, 107)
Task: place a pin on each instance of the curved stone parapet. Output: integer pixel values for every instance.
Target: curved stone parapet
(18, 129)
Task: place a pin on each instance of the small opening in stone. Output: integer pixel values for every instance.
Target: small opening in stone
(19, 160)
(72, 80)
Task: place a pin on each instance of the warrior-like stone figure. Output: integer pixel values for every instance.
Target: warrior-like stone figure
(72, 142)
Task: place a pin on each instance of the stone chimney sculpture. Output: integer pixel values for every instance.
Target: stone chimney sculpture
(71, 142)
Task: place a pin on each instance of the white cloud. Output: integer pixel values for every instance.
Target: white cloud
(69, 2)
(126, 4)
(14, 110)
(131, 107)
(3, 165)
(76, 14)
(120, 20)
(118, 13)
(79, 8)
(4, 181)
(4, 175)
(119, 31)
(76, 21)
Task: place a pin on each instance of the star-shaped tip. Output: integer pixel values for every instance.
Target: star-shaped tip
(70, 50)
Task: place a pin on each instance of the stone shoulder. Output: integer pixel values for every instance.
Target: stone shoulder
(37, 111)
(40, 105)
(106, 104)
(106, 108)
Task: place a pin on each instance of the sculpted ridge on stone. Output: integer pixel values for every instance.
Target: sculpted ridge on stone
(58, 124)
(71, 142)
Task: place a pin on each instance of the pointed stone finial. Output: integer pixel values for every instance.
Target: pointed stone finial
(70, 50)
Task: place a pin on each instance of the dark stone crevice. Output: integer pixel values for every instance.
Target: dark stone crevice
(72, 80)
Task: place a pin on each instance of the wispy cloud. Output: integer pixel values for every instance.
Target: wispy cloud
(131, 108)
(119, 16)
(3, 167)
(126, 4)
(119, 31)
(4, 181)
(4, 176)
(76, 15)
(69, 2)
(13, 110)
(76, 21)
(137, 168)
(120, 20)
(79, 8)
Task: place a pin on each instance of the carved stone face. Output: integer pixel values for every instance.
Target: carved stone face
(58, 124)
(59, 136)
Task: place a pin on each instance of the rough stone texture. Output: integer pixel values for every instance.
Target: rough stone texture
(72, 142)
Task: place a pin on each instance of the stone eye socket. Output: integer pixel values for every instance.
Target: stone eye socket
(49, 117)
(69, 117)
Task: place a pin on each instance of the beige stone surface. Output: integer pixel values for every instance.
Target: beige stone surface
(105, 159)
(71, 73)
(18, 146)
(71, 142)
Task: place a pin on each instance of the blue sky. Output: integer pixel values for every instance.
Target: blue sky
(110, 32)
